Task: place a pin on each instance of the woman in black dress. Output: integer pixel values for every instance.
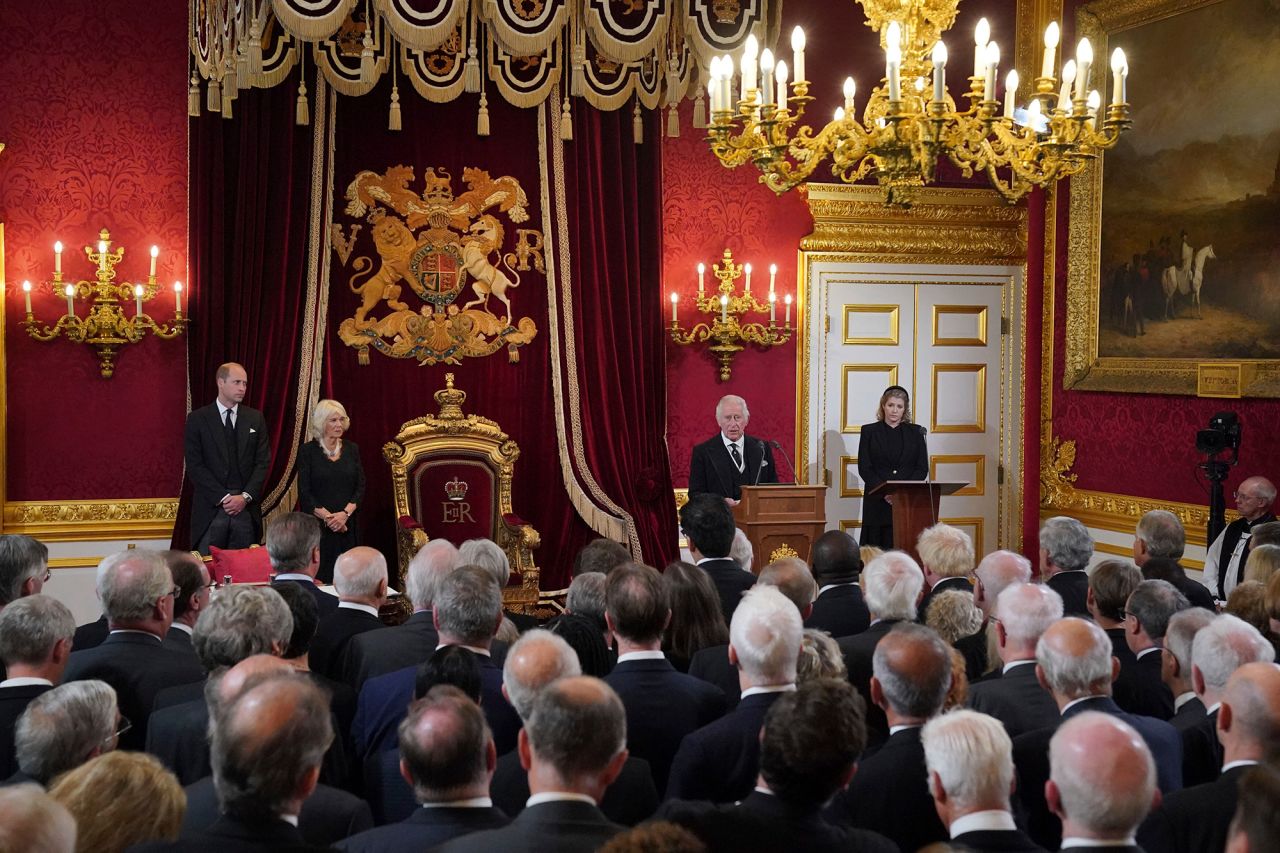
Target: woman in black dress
(892, 448)
(331, 483)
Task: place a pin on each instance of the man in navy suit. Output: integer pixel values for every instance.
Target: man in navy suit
(725, 463)
(709, 525)
(719, 762)
(839, 609)
(1014, 695)
(662, 705)
(1065, 550)
(192, 579)
(227, 454)
(293, 544)
(35, 643)
(1147, 615)
(1176, 670)
(360, 577)
(1102, 782)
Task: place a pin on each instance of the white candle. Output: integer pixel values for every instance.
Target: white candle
(675, 299)
(1010, 93)
(1084, 58)
(177, 296)
(797, 52)
(57, 256)
(766, 76)
(993, 60)
(137, 295)
(849, 89)
(773, 307)
(724, 308)
(1094, 102)
(70, 290)
(839, 114)
(981, 34)
(726, 82)
(787, 299)
(26, 294)
(893, 60)
(713, 94)
(155, 253)
(1050, 47)
(748, 270)
(702, 268)
(1033, 115)
(780, 77)
(1119, 71)
(1068, 77)
(748, 67)
(939, 71)
(773, 275)
(102, 254)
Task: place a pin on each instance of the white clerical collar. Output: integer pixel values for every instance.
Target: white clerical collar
(1073, 841)
(649, 655)
(893, 730)
(184, 628)
(1013, 663)
(475, 649)
(1182, 699)
(295, 576)
(25, 681)
(979, 821)
(471, 803)
(1244, 762)
(1145, 652)
(557, 797)
(136, 631)
(769, 688)
(291, 819)
(355, 605)
(1075, 702)
(823, 589)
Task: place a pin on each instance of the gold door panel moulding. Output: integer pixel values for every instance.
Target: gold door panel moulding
(977, 484)
(977, 523)
(978, 312)
(890, 339)
(979, 423)
(845, 370)
(86, 521)
(847, 462)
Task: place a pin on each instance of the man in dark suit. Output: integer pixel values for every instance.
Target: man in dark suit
(892, 584)
(63, 728)
(1065, 550)
(809, 749)
(839, 609)
(137, 592)
(328, 815)
(709, 526)
(293, 544)
(375, 653)
(1197, 818)
(227, 454)
(946, 557)
(719, 762)
(890, 793)
(662, 705)
(448, 757)
(970, 761)
(573, 746)
(90, 634)
(24, 567)
(731, 459)
(35, 643)
(1256, 825)
(1158, 545)
(192, 580)
(1013, 694)
(1110, 585)
(1147, 615)
(1176, 668)
(360, 577)
(1102, 783)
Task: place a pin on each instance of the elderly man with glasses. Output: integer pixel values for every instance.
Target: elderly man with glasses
(1224, 564)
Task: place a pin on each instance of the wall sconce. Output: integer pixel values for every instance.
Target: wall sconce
(724, 307)
(105, 327)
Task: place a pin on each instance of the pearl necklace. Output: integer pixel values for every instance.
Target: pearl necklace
(332, 454)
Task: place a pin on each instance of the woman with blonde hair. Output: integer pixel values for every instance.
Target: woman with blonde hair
(120, 799)
(1263, 562)
(331, 483)
(890, 448)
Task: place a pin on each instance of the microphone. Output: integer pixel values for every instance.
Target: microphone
(777, 445)
(760, 464)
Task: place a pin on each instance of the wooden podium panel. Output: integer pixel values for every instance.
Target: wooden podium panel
(781, 521)
(915, 507)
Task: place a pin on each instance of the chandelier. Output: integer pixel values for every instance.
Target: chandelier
(909, 121)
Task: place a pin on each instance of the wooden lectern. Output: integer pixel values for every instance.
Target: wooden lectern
(915, 507)
(781, 521)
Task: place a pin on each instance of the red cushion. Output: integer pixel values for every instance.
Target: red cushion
(244, 565)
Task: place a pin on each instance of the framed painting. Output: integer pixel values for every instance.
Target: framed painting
(1173, 262)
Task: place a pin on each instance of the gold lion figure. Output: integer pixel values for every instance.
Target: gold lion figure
(395, 244)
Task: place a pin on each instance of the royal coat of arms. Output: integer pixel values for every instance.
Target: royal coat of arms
(443, 248)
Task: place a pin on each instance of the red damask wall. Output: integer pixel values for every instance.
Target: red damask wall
(92, 110)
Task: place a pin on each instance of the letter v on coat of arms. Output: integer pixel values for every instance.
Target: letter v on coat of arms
(343, 245)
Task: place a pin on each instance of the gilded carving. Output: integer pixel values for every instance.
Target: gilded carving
(91, 520)
(782, 552)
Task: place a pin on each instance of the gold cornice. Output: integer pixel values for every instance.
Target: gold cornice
(84, 521)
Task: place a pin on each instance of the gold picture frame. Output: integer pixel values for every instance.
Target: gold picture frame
(1104, 22)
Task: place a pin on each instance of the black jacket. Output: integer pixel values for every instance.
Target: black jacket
(711, 468)
(209, 464)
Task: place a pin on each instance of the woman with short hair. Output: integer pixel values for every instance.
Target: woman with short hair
(331, 483)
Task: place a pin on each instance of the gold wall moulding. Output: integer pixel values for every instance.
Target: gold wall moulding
(87, 521)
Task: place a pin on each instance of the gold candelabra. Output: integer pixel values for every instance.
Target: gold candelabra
(911, 120)
(724, 307)
(105, 327)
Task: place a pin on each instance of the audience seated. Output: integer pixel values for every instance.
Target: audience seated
(33, 822)
(708, 524)
(35, 644)
(1110, 585)
(120, 799)
(293, 544)
(697, 622)
(953, 615)
(64, 727)
(819, 658)
(838, 609)
(360, 578)
(191, 579)
(1175, 670)
(1065, 550)
(1147, 613)
(946, 558)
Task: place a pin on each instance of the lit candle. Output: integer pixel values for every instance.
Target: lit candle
(724, 308)
(766, 76)
(1068, 77)
(748, 270)
(893, 60)
(26, 294)
(939, 71)
(713, 85)
(1094, 102)
(1050, 48)
(993, 60)
(787, 300)
(981, 34)
(702, 268)
(748, 65)
(773, 275)
(70, 290)
(773, 307)
(1084, 58)
(1119, 71)
(102, 254)
(839, 114)
(1033, 115)
(675, 299)
(726, 81)
(849, 89)
(57, 256)
(780, 77)
(155, 253)
(797, 52)
(137, 295)
(1010, 93)
(177, 296)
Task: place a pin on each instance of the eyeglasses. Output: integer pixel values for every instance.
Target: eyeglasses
(48, 575)
(121, 728)
(176, 591)
(1242, 496)
(212, 585)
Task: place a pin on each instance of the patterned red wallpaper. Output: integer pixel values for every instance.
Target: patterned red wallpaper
(92, 110)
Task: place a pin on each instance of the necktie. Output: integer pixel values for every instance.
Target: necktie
(233, 455)
(737, 457)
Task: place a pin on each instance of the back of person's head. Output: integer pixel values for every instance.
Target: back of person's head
(1026, 610)
(636, 601)
(1066, 542)
(913, 667)
(586, 638)
(820, 657)
(1181, 631)
(1075, 656)
(765, 635)
(433, 562)
(953, 615)
(1267, 533)
(22, 559)
(655, 836)
(292, 540)
(1001, 569)
(451, 666)
(1273, 600)
(697, 622)
(306, 618)
(120, 799)
(835, 557)
(226, 685)
(577, 727)
(130, 583)
(946, 550)
(811, 740)
(1251, 703)
(1153, 604)
(536, 660)
(958, 692)
(1164, 569)
(970, 756)
(30, 627)
(1112, 582)
(239, 622)
(468, 606)
(1256, 823)
(586, 597)
(1223, 646)
(360, 573)
(190, 577)
(33, 822)
(267, 745)
(1248, 601)
(1263, 563)
(891, 584)
(741, 551)
(708, 523)
(791, 577)
(486, 554)
(63, 727)
(1102, 775)
(1162, 534)
(445, 746)
(600, 555)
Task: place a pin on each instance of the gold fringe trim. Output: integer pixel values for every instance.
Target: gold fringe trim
(520, 97)
(432, 92)
(416, 34)
(311, 28)
(627, 51)
(521, 43)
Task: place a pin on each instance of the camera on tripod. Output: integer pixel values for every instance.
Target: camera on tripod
(1222, 435)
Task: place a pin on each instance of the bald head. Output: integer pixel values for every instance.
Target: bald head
(535, 661)
(251, 671)
(912, 672)
(1102, 779)
(1025, 611)
(997, 571)
(1249, 718)
(446, 749)
(576, 730)
(1074, 660)
(360, 576)
(792, 578)
(836, 558)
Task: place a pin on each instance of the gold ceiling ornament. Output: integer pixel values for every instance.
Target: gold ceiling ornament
(910, 121)
(458, 251)
(723, 307)
(105, 326)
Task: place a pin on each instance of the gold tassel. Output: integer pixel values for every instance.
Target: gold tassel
(213, 101)
(393, 119)
(242, 66)
(193, 97)
(577, 77)
(255, 47)
(482, 118)
(471, 70)
(227, 88)
(673, 121)
(303, 114)
(366, 60)
(699, 111)
(566, 123)
(637, 124)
